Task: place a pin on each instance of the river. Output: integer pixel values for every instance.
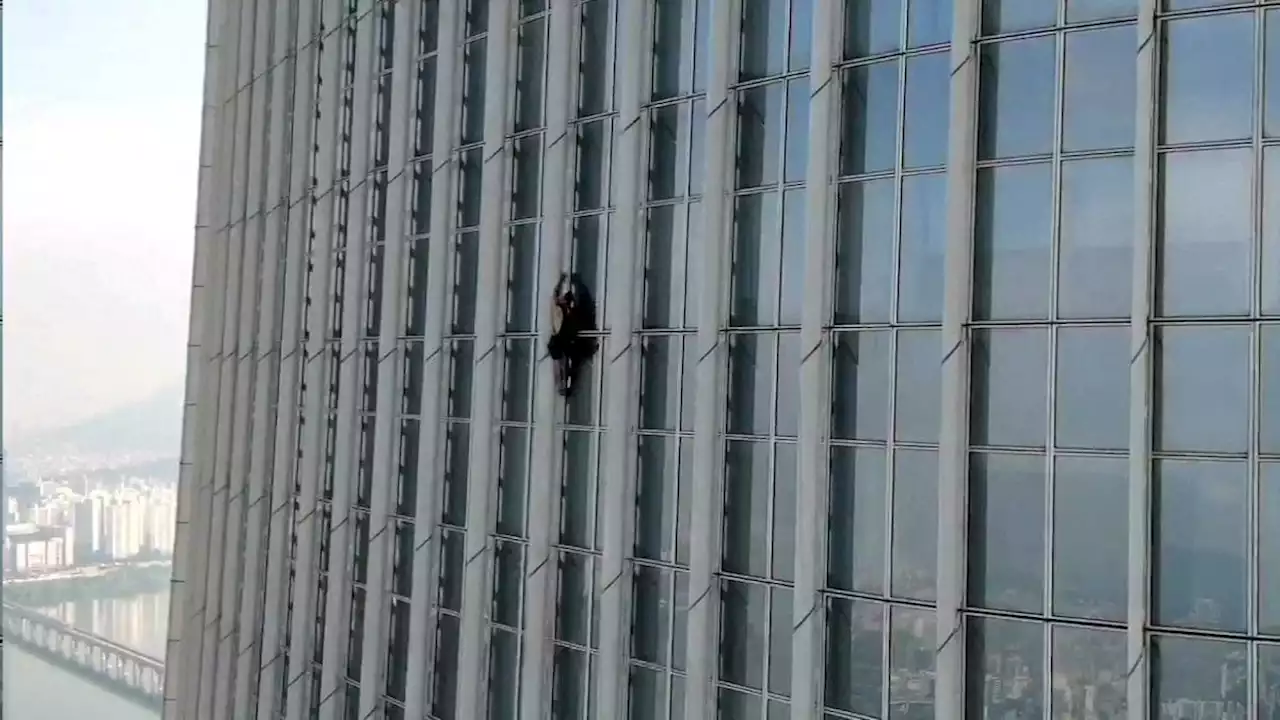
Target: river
(36, 690)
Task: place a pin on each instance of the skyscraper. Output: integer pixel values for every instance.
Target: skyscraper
(939, 372)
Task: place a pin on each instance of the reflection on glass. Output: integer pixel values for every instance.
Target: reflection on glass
(787, 413)
(1003, 16)
(1271, 75)
(672, 55)
(669, 138)
(1013, 242)
(872, 27)
(763, 45)
(1017, 81)
(746, 508)
(1270, 260)
(751, 359)
(1086, 10)
(1269, 682)
(864, 251)
(531, 58)
(756, 257)
(1206, 224)
(744, 620)
(1201, 521)
(1009, 394)
(650, 613)
(929, 22)
(784, 511)
(1095, 266)
(646, 697)
(522, 283)
(922, 248)
(911, 650)
(1191, 675)
(513, 477)
(801, 45)
(1098, 101)
(660, 366)
(915, 524)
(860, 388)
(1269, 390)
(918, 387)
(655, 498)
(1090, 533)
(855, 664)
(1088, 675)
(794, 241)
(855, 519)
(1208, 79)
(780, 619)
(796, 149)
(1269, 551)
(664, 249)
(1005, 669)
(760, 120)
(928, 89)
(869, 125)
(593, 86)
(1006, 531)
(573, 603)
(1093, 387)
(1202, 398)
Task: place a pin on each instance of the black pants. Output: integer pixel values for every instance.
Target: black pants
(572, 351)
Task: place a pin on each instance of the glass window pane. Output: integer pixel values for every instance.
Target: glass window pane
(1270, 260)
(1202, 391)
(1003, 16)
(744, 619)
(911, 666)
(660, 366)
(1093, 388)
(596, 68)
(860, 402)
(1200, 545)
(999, 650)
(854, 674)
(783, 545)
(530, 66)
(794, 241)
(751, 362)
(869, 126)
(1013, 243)
(1006, 531)
(780, 620)
(669, 137)
(1206, 233)
(513, 478)
(864, 251)
(760, 120)
(1098, 101)
(1271, 75)
(1090, 530)
(918, 401)
(1009, 387)
(797, 143)
(929, 22)
(1208, 78)
(591, 180)
(872, 27)
(915, 527)
(1017, 81)
(655, 497)
(1268, 682)
(650, 614)
(1269, 552)
(672, 56)
(756, 257)
(1095, 263)
(856, 517)
(928, 106)
(763, 49)
(787, 413)
(747, 487)
(1086, 10)
(922, 248)
(1269, 390)
(1192, 673)
(801, 44)
(1088, 673)
(665, 246)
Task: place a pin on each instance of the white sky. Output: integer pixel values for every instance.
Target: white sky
(102, 130)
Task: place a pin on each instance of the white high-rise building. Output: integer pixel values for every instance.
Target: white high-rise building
(939, 372)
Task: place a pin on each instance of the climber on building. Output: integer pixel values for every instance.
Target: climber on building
(573, 313)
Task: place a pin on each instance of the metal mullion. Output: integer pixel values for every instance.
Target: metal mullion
(841, 63)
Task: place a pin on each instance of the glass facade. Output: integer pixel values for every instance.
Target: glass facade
(939, 369)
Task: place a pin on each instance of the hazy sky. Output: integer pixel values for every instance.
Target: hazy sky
(101, 134)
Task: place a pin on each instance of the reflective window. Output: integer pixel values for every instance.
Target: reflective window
(751, 363)
(1202, 396)
(918, 383)
(1095, 256)
(787, 411)
(855, 661)
(761, 113)
(864, 251)
(1006, 531)
(656, 502)
(1013, 242)
(912, 638)
(929, 22)
(1003, 16)
(1098, 102)
(763, 47)
(856, 518)
(1206, 233)
(746, 508)
(1271, 75)
(1017, 81)
(1269, 552)
(1086, 10)
(794, 243)
(1269, 390)
(756, 257)
(1090, 532)
(1088, 673)
(1191, 673)
(1093, 387)
(928, 88)
(915, 526)
(1200, 523)
(869, 127)
(796, 146)
(1004, 655)
(1270, 260)
(922, 249)
(1269, 682)
(872, 27)
(1208, 78)
(744, 622)
(1009, 393)
(783, 543)
(860, 387)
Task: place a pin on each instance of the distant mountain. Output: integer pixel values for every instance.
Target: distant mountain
(151, 426)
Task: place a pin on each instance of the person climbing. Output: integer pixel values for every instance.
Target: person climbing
(573, 313)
